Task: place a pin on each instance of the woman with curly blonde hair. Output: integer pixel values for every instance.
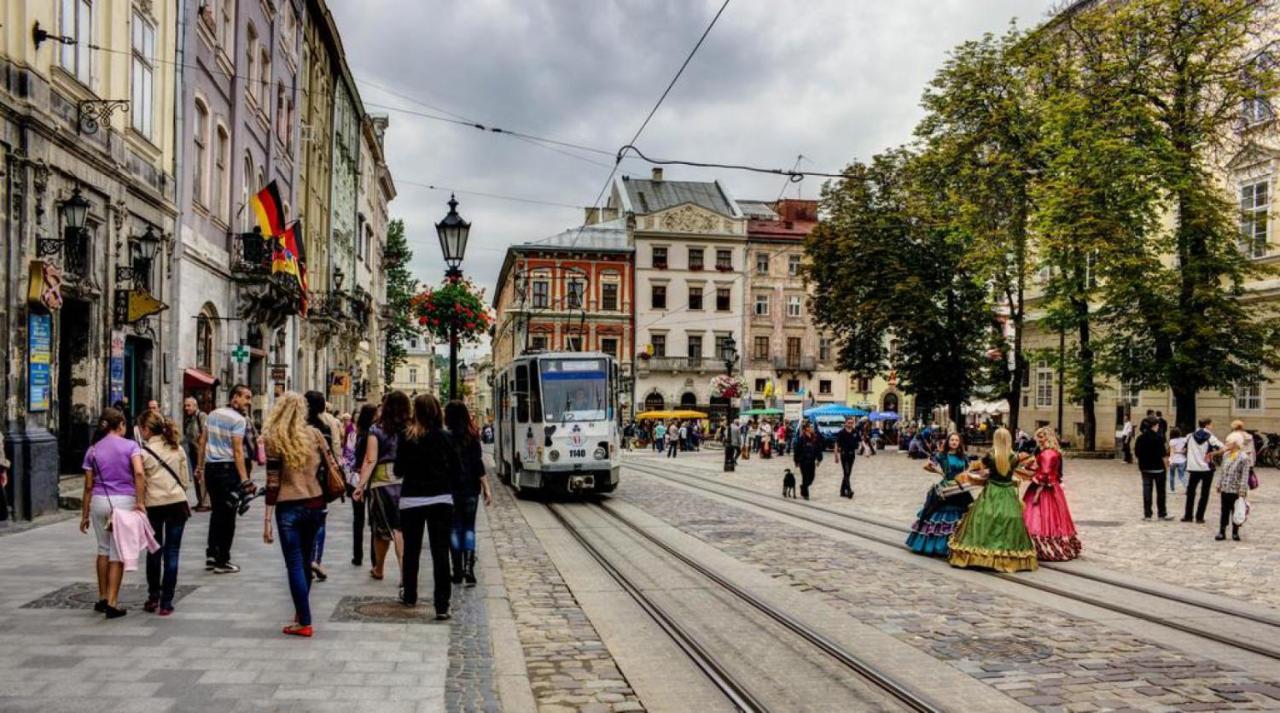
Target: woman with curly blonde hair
(294, 454)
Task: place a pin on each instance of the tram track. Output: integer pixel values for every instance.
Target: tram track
(735, 690)
(797, 510)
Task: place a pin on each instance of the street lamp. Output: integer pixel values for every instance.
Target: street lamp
(146, 246)
(729, 353)
(453, 232)
(74, 212)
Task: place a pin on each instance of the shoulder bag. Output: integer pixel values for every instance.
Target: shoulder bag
(330, 476)
(186, 507)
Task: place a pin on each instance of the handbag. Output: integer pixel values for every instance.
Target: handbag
(332, 483)
(1240, 513)
(1253, 479)
(97, 480)
(186, 506)
(260, 456)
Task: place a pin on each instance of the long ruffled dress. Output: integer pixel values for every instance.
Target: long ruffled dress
(992, 534)
(937, 519)
(1046, 514)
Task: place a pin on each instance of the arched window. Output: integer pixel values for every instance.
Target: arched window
(688, 398)
(891, 402)
(251, 62)
(206, 338)
(221, 157)
(654, 402)
(200, 129)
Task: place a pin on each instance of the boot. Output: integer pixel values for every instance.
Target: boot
(456, 557)
(469, 573)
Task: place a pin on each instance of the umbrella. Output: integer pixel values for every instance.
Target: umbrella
(763, 412)
(835, 410)
(883, 416)
(671, 414)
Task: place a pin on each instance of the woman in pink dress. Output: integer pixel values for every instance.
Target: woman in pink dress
(1045, 509)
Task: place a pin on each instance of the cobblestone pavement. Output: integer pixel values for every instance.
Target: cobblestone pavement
(1106, 501)
(469, 684)
(569, 667)
(1041, 657)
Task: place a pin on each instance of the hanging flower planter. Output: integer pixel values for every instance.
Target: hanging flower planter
(728, 387)
(459, 304)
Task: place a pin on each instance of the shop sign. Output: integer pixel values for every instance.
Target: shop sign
(279, 372)
(340, 383)
(45, 284)
(115, 370)
(39, 361)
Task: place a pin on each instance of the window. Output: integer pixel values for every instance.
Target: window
(762, 305)
(824, 386)
(413, 342)
(724, 260)
(824, 348)
(722, 299)
(720, 340)
(609, 296)
(793, 306)
(762, 263)
(658, 296)
(251, 63)
(659, 345)
(226, 33)
(204, 343)
(761, 384)
(695, 349)
(201, 162)
(793, 351)
(695, 259)
(695, 298)
(760, 348)
(574, 296)
(793, 386)
(1254, 206)
(413, 375)
(264, 80)
(864, 385)
(1249, 396)
(609, 345)
(793, 265)
(221, 155)
(659, 258)
(281, 114)
(541, 293)
(1044, 385)
(142, 87)
(540, 342)
(76, 21)
(574, 344)
(1129, 394)
(1257, 108)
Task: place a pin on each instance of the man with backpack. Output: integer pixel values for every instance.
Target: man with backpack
(1201, 448)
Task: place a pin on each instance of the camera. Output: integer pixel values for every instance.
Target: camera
(243, 496)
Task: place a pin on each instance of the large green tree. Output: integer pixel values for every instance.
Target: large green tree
(401, 287)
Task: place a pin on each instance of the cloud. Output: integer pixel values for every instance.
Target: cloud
(833, 80)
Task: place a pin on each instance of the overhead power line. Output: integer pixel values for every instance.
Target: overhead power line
(792, 174)
(518, 199)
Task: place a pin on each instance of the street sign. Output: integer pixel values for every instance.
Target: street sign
(240, 353)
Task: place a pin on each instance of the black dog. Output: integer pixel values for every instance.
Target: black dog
(788, 484)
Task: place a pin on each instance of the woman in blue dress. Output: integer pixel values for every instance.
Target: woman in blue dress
(945, 503)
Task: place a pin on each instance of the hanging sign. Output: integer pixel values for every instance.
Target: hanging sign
(39, 361)
(45, 284)
(115, 370)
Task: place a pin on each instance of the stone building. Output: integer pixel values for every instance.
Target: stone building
(377, 189)
(418, 374)
(87, 116)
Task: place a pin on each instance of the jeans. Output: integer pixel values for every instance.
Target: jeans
(437, 521)
(463, 538)
(807, 474)
(1228, 507)
(317, 555)
(1153, 480)
(846, 465)
(1202, 478)
(162, 565)
(673, 448)
(357, 529)
(298, 525)
(1177, 471)
(222, 481)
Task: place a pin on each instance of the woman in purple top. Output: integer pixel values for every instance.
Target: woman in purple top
(113, 480)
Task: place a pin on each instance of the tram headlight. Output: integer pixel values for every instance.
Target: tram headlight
(553, 455)
(601, 454)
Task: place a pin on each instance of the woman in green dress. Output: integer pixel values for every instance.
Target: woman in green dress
(992, 534)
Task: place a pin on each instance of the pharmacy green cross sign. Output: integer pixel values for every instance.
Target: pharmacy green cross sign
(240, 353)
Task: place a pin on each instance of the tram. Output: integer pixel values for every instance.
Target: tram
(557, 422)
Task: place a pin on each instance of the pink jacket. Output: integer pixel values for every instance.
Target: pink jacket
(132, 533)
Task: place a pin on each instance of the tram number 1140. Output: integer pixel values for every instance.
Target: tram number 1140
(578, 453)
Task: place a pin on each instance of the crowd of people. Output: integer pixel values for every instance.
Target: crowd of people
(412, 471)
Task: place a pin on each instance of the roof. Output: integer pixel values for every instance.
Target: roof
(647, 196)
(792, 219)
(607, 235)
(758, 210)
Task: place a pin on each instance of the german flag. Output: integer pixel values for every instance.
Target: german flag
(269, 209)
(287, 257)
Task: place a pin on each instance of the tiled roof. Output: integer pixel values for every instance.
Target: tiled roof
(607, 235)
(649, 196)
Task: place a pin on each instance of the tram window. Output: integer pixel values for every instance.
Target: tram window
(522, 393)
(613, 389)
(575, 390)
(535, 396)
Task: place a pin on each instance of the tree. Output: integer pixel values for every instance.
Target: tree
(883, 265)
(442, 387)
(1187, 67)
(981, 131)
(401, 288)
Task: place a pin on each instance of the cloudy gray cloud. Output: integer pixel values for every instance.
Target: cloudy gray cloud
(833, 80)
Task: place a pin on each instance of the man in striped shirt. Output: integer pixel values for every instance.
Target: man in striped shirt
(222, 468)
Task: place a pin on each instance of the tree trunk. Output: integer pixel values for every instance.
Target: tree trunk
(1088, 389)
(953, 412)
(1184, 400)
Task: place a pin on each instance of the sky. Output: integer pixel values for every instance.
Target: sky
(829, 80)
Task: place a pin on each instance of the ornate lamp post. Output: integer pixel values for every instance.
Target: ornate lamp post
(453, 232)
(729, 353)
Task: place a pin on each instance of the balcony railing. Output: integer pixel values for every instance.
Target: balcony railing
(678, 363)
(795, 363)
(250, 255)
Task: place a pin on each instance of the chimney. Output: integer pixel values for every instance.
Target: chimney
(657, 173)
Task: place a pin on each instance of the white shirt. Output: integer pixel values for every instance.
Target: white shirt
(1178, 450)
(1198, 453)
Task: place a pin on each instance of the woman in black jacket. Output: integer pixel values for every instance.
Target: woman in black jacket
(466, 498)
(807, 455)
(429, 468)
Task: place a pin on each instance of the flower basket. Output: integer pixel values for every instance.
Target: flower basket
(728, 387)
(456, 303)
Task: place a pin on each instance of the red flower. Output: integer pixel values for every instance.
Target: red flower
(422, 321)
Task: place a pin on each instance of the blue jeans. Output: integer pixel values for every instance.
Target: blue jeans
(1177, 471)
(463, 538)
(318, 555)
(162, 565)
(297, 527)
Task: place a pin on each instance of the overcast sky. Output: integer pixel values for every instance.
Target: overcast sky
(832, 80)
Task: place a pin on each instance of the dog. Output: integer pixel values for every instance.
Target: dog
(788, 484)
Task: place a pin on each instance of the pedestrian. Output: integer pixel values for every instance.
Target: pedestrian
(223, 467)
(766, 439)
(113, 481)
(167, 479)
(807, 456)
(364, 421)
(4, 482)
(429, 467)
(945, 502)
(1201, 449)
(1124, 437)
(1164, 425)
(660, 436)
(193, 436)
(1153, 463)
(1045, 511)
(1234, 483)
(378, 477)
(846, 449)
(992, 534)
(628, 434)
(1177, 458)
(296, 451)
(471, 488)
(330, 429)
(1247, 444)
(684, 436)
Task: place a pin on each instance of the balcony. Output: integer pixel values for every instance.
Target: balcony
(671, 365)
(795, 362)
(250, 257)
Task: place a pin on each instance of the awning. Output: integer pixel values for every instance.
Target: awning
(197, 379)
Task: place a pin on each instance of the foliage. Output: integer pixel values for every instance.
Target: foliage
(400, 288)
(456, 305)
(442, 386)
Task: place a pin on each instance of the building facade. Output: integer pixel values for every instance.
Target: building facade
(418, 374)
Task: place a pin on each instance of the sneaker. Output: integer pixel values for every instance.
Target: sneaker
(1235, 536)
(1146, 518)
(443, 616)
(1186, 519)
(165, 611)
(1199, 521)
(1166, 518)
(227, 568)
(1219, 537)
(100, 606)
(114, 613)
(153, 603)
(209, 564)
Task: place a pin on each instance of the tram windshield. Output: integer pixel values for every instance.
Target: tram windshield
(575, 389)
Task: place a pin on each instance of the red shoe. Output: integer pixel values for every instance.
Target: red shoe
(165, 612)
(295, 630)
(151, 605)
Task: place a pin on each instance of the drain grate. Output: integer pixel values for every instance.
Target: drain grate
(83, 595)
(381, 610)
(993, 649)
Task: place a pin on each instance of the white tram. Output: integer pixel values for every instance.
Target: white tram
(557, 422)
